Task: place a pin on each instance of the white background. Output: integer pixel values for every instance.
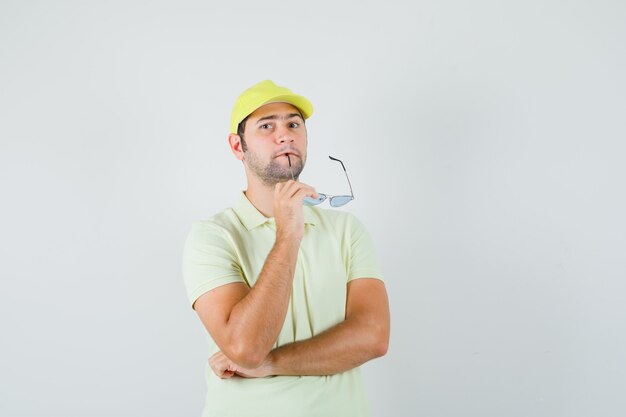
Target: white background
(484, 141)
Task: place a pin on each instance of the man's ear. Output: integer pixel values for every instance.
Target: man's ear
(234, 141)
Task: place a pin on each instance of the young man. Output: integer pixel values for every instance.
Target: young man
(291, 295)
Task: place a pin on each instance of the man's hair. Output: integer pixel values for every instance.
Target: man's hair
(241, 129)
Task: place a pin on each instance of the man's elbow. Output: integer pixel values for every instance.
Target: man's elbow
(380, 342)
(381, 346)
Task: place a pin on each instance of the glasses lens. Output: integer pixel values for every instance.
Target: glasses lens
(340, 200)
(310, 201)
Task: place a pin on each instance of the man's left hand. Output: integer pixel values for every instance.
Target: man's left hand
(223, 367)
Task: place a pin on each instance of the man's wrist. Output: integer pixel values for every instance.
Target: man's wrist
(288, 239)
(287, 248)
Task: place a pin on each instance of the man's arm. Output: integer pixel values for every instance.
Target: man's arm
(362, 336)
(245, 322)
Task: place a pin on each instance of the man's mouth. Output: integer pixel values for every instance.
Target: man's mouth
(291, 154)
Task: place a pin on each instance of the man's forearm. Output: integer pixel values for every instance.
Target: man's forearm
(362, 336)
(340, 348)
(257, 319)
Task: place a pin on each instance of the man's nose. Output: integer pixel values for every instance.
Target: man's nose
(283, 135)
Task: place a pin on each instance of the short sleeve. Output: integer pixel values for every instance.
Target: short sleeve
(209, 260)
(363, 262)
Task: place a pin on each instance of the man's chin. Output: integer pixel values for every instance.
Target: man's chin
(296, 167)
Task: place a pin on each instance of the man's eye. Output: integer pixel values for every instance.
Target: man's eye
(294, 124)
(266, 126)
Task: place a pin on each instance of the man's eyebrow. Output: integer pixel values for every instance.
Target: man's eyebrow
(275, 116)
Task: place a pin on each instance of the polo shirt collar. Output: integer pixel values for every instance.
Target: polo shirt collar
(251, 217)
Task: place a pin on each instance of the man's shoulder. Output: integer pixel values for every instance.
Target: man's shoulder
(223, 221)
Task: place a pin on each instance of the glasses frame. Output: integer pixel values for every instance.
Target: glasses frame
(309, 201)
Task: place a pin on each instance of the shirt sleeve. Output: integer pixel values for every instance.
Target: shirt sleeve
(209, 260)
(363, 262)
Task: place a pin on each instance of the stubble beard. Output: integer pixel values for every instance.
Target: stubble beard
(273, 172)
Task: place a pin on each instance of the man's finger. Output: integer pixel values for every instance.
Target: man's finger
(300, 192)
(227, 374)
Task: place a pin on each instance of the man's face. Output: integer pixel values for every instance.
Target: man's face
(271, 132)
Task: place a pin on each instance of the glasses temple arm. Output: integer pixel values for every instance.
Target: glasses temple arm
(346, 172)
(290, 170)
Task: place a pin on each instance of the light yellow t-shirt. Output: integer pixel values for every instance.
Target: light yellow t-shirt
(232, 247)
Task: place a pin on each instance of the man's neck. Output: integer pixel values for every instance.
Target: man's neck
(262, 197)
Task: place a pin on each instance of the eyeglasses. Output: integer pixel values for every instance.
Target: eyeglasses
(335, 200)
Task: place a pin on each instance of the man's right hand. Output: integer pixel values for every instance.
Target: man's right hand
(288, 201)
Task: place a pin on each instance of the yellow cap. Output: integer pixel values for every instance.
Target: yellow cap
(263, 93)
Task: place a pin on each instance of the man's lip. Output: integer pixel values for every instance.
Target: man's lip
(287, 153)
